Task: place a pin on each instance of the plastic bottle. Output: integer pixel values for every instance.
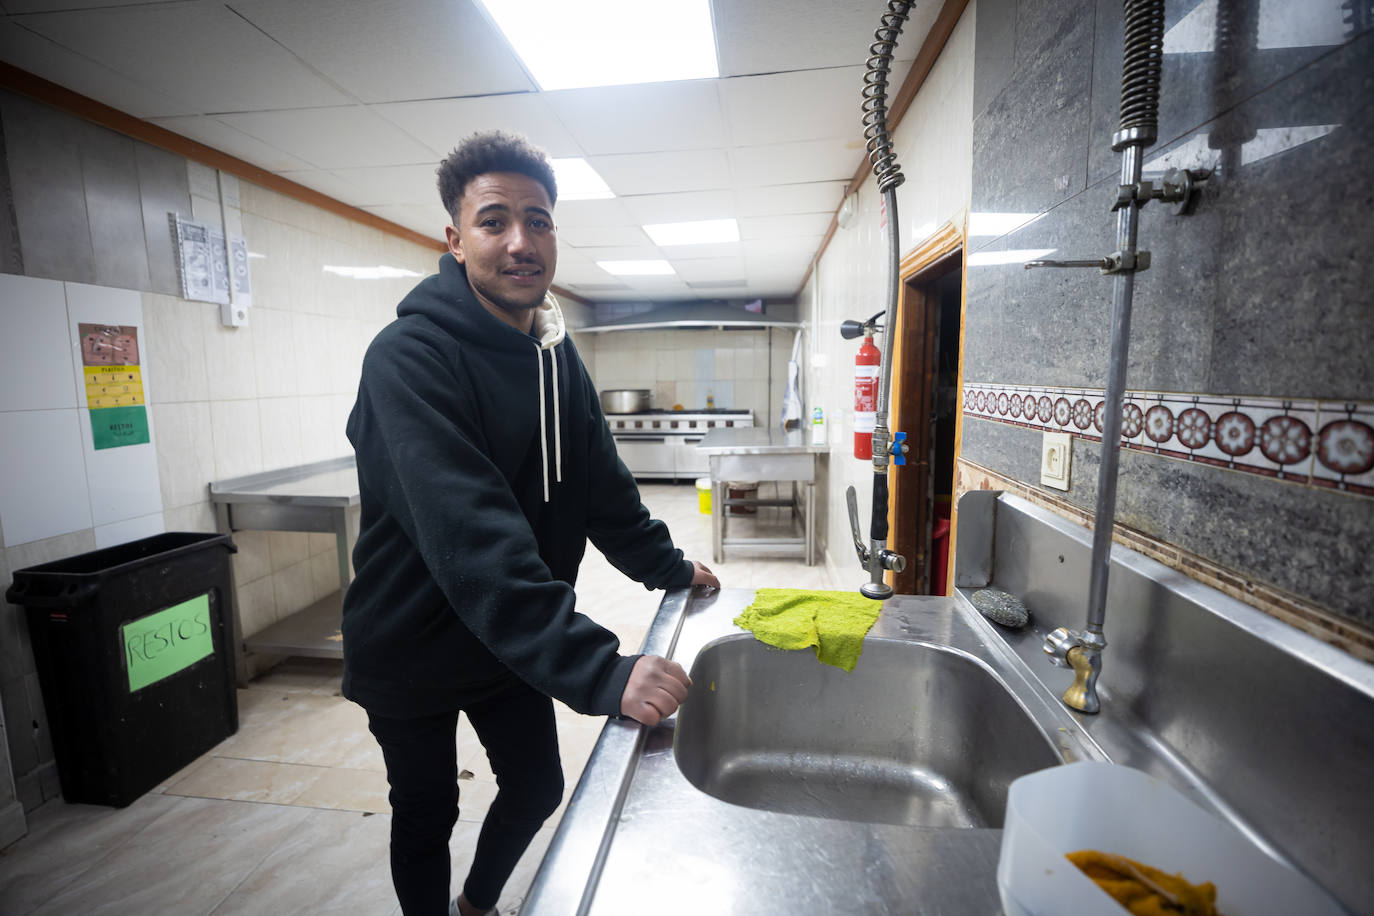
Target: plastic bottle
(710, 401)
(817, 427)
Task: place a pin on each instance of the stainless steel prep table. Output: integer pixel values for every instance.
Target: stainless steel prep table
(312, 497)
(763, 454)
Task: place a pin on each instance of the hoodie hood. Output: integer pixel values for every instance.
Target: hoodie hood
(447, 300)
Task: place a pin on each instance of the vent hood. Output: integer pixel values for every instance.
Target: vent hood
(689, 315)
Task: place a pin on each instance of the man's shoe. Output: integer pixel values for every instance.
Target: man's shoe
(453, 909)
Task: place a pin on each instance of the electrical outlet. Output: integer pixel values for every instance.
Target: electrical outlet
(1056, 453)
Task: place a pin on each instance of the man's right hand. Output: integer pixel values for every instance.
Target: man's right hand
(655, 689)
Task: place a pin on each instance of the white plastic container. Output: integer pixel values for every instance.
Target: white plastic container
(1120, 810)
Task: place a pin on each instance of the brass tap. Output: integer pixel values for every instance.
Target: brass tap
(1083, 653)
(1082, 693)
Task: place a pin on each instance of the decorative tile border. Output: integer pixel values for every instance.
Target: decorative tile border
(1343, 633)
(1318, 443)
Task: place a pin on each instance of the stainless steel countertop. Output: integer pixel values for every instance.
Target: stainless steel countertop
(759, 440)
(322, 483)
(638, 837)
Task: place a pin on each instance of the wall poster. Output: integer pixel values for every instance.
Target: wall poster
(114, 385)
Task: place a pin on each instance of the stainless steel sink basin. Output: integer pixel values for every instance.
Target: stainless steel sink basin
(918, 734)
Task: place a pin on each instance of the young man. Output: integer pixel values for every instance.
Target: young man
(485, 466)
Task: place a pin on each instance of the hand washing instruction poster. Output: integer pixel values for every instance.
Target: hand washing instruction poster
(114, 385)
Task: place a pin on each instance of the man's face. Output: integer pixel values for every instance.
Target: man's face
(506, 239)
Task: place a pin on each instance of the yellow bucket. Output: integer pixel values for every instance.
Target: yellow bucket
(704, 495)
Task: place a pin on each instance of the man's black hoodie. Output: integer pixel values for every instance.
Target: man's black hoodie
(470, 542)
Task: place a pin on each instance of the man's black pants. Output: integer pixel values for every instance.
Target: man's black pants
(516, 726)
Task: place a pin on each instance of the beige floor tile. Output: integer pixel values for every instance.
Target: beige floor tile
(334, 862)
(316, 731)
(248, 780)
(63, 842)
(474, 798)
(184, 772)
(186, 861)
(349, 790)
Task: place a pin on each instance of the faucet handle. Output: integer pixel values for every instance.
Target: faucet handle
(853, 503)
(1057, 646)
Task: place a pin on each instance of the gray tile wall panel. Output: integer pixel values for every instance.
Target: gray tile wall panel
(164, 188)
(49, 200)
(994, 56)
(1305, 540)
(1263, 291)
(11, 258)
(1030, 144)
(115, 208)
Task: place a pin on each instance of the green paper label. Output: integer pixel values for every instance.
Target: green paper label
(163, 643)
(112, 427)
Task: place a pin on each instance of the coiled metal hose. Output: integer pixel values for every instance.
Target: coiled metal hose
(879, 140)
(1142, 64)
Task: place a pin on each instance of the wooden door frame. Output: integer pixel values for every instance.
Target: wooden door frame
(914, 376)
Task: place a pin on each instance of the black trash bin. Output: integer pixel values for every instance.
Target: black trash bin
(132, 645)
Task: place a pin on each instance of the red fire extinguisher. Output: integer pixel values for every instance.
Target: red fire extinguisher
(866, 373)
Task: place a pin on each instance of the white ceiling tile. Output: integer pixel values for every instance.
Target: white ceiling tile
(426, 220)
(603, 237)
(797, 225)
(645, 118)
(591, 214)
(775, 200)
(333, 138)
(658, 173)
(27, 50)
(220, 136)
(677, 253)
(203, 49)
(695, 270)
(778, 250)
(786, 163)
(771, 36)
(764, 109)
(394, 50)
(393, 184)
(442, 123)
(622, 253)
(676, 208)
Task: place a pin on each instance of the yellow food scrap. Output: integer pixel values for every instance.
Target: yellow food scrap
(1143, 890)
(713, 686)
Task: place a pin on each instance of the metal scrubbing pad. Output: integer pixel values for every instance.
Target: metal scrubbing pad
(1001, 607)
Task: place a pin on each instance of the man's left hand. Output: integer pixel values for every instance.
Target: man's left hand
(703, 576)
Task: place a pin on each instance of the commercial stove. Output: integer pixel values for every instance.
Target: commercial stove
(662, 443)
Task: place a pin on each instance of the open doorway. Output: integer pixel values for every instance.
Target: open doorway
(925, 362)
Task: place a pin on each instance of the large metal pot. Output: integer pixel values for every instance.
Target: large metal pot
(625, 400)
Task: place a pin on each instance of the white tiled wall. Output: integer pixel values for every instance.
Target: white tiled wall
(222, 402)
(739, 369)
(934, 144)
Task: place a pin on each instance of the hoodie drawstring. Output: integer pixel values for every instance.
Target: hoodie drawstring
(543, 421)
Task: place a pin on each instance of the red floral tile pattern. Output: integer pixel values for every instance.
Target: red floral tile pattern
(1326, 444)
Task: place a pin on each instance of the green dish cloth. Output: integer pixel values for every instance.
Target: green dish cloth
(834, 622)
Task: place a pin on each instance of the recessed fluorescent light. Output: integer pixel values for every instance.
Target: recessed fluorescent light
(645, 268)
(571, 44)
(697, 232)
(380, 272)
(578, 181)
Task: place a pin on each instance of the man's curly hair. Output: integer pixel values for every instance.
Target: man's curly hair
(494, 151)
